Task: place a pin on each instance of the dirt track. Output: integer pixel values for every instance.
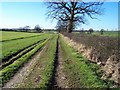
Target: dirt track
(23, 72)
(60, 79)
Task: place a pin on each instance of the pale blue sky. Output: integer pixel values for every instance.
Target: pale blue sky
(20, 14)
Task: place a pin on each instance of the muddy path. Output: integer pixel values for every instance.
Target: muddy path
(59, 79)
(24, 71)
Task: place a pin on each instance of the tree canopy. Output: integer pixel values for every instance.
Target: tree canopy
(73, 11)
(37, 28)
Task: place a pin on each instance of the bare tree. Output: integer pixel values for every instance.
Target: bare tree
(73, 11)
(61, 25)
(26, 28)
(102, 31)
(91, 31)
(37, 28)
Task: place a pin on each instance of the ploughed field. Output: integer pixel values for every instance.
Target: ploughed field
(47, 61)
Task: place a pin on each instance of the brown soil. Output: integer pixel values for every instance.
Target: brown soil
(60, 79)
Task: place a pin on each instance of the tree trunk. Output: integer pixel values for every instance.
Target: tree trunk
(70, 23)
(70, 26)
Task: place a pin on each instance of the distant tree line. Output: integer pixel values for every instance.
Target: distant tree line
(90, 31)
(37, 28)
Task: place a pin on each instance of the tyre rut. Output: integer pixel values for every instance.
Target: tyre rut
(24, 71)
(18, 55)
(59, 79)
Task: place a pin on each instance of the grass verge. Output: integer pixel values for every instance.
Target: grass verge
(81, 74)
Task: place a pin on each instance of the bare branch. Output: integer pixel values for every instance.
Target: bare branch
(74, 11)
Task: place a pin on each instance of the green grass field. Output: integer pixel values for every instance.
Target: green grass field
(108, 33)
(8, 35)
(114, 34)
(14, 46)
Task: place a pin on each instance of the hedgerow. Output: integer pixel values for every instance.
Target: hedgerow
(105, 46)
